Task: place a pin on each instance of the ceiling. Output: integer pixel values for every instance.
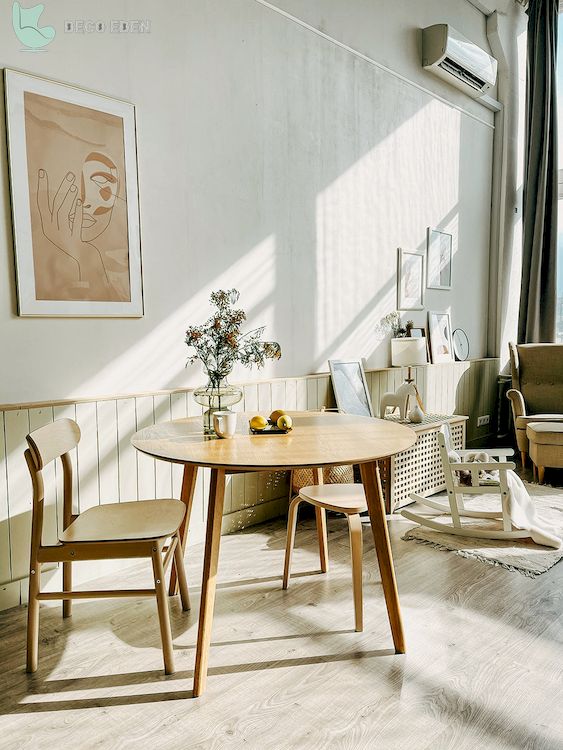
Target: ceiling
(489, 6)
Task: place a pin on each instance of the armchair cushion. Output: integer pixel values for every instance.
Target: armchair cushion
(522, 422)
(537, 372)
(546, 434)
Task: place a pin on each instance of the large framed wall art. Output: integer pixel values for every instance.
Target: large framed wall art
(75, 202)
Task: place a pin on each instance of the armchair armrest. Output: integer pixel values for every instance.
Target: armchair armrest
(517, 400)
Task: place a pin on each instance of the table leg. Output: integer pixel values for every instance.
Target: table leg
(320, 517)
(376, 507)
(210, 560)
(187, 497)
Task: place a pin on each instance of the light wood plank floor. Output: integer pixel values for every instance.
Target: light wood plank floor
(483, 668)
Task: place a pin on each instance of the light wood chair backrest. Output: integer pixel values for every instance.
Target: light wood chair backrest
(53, 440)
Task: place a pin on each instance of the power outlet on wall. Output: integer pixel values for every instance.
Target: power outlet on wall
(482, 421)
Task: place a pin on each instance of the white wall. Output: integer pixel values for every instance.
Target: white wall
(273, 160)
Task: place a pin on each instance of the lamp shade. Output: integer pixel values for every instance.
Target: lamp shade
(407, 352)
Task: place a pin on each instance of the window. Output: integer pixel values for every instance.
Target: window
(559, 318)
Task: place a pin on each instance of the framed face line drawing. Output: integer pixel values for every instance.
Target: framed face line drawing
(75, 202)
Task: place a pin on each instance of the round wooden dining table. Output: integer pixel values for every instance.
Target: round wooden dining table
(317, 440)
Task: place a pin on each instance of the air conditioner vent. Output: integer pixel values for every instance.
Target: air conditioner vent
(456, 59)
(463, 74)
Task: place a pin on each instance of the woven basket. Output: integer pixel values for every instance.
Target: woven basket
(331, 475)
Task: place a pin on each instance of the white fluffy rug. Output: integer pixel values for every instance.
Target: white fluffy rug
(521, 555)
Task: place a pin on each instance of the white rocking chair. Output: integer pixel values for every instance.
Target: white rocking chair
(456, 507)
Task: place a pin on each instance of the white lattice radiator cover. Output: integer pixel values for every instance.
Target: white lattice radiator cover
(419, 469)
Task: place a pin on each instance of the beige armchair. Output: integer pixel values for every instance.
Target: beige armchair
(537, 387)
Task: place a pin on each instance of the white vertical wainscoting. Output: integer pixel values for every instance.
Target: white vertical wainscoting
(108, 469)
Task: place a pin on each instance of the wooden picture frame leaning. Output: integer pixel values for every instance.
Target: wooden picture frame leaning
(440, 330)
(420, 333)
(350, 387)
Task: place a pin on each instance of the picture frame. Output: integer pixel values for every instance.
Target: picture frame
(73, 153)
(350, 387)
(440, 334)
(438, 259)
(416, 333)
(419, 333)
(410, 279)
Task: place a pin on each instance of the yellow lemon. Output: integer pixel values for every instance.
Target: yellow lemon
(258, 422)
(285, 422)
(275, 415)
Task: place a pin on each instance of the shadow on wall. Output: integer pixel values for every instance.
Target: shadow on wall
(476, 394)
(300, 198)
(330, 289)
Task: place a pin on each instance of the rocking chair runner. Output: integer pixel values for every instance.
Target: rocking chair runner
(456, 507)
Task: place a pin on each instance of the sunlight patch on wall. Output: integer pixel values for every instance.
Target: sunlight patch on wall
(509, 330)
(163, 352)
(386, 200)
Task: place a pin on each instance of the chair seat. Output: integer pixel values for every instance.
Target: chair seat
(341, 498)
(114, 522)
(545, 433)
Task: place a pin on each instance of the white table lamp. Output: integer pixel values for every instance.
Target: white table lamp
(409, 352)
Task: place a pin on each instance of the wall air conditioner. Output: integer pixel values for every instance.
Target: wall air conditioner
(449, 55)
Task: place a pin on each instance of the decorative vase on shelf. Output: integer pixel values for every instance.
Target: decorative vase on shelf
(415, 415)
(216, 395)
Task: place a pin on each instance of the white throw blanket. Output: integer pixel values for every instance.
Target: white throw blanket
(523, 514)
(521, 510)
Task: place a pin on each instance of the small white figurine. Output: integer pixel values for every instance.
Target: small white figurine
(399, 400)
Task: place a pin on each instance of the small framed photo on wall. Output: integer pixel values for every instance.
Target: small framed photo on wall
(440, 329)
(439, 260)
(410, 280)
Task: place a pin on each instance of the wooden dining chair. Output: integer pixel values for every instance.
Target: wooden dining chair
(341, 498)
(111, 531)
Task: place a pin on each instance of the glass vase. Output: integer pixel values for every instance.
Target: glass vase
(216, 395)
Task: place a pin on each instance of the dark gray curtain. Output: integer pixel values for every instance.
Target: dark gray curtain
(538, 297)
